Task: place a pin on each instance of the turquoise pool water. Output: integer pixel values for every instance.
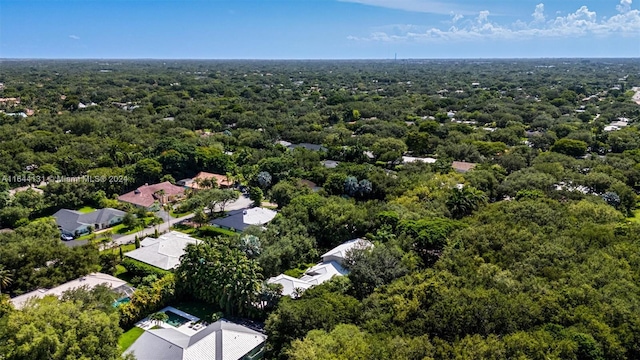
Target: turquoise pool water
(175, 319)
(121, 301)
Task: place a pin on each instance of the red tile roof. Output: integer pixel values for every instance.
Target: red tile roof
(146, 195)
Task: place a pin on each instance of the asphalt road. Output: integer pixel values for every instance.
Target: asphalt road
(242, 203)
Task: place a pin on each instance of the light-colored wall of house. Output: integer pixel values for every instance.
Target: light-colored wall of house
(82, 229)
(116, 220)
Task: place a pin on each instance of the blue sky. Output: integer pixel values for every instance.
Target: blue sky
(318, 29)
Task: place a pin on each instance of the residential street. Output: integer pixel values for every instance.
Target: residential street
(241, 203)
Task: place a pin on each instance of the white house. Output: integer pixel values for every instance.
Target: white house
(331, 265)
(90, 281)
(163, 252)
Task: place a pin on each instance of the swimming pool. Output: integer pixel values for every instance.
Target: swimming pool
(175, 319)
(121, 301)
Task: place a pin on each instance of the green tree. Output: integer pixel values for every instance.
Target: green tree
(570, 147)
(6, 278)
(159, 317)
(148, 171)
(370, 268)
(220, 275)
(255, 194)
(11, 215)
(129, 220)
(388, 149)
(52, 329)
(316, 310)
(344, 342)
(464, 200)
(199, 217)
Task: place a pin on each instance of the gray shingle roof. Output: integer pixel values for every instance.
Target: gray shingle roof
(218, 341)
(70, 220)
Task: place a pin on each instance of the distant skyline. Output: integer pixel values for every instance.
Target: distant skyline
(318, 29)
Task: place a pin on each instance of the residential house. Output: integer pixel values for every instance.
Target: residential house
(311, 185)
(330, 164)
(332, 265)
(311, 147)
(90, 281)
(163, 252)
(463, 166)
(74, 223)
(238, 220)
(411, 159)
(196, 182)
(151, 197)
(222, 340)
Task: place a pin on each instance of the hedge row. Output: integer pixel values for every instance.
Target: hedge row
(138, 268)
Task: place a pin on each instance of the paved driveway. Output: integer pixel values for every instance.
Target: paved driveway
(242, 203)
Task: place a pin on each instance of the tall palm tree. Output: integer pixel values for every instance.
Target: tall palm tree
(6, 278)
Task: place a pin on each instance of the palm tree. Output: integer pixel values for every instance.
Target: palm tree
(6, 278)
(200, 217)
(464, 200)
(159, 317)
(160, 193)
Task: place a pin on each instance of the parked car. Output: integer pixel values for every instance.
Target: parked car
(66, 237)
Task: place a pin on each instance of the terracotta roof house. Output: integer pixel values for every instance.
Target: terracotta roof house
(462, 166)
(74, 223)
(222, 181)
(151, 196)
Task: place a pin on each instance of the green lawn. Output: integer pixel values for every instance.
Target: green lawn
(86, 209)
(129, 337)
(184, 229)
(635, 217)
(125, 248)
(177, 214)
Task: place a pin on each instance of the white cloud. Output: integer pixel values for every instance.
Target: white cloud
(582, 22)
(483, 16)
(457, 17)
(423, 6)
(625, 5)
(74, 37)
(538, 14)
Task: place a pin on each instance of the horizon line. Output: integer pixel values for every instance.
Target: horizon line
(315, 59)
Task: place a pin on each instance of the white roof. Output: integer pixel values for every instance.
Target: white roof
(283, 143)
(321, 272)
(258, 216)
(410, 159)
(290, 284)
(222, 340)
(340, 251)
(619, 123)
(163, 252)
(91, 280)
